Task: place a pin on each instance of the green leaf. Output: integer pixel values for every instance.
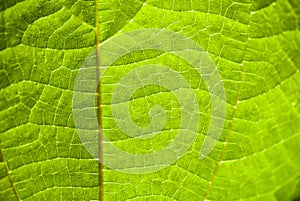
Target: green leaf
(255, 47)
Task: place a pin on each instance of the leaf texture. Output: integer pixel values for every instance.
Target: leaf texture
(255, 46)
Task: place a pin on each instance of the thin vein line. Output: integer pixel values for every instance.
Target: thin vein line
(128, 21)
(77, 18)
(9, 176)
(99, 107)
(234, 109)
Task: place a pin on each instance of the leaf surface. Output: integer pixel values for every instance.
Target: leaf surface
(253, 43)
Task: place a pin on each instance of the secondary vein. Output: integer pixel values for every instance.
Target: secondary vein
(234, 109)
(9, 176)
(99, 108)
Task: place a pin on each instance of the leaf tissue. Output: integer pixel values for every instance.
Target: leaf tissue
(212, 87)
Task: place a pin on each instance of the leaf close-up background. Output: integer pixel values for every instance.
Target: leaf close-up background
(254, 44)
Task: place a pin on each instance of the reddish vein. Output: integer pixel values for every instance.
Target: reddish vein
(234, 110)
(9, 176)
(99, 108)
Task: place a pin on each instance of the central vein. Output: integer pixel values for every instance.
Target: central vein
(99, 108)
